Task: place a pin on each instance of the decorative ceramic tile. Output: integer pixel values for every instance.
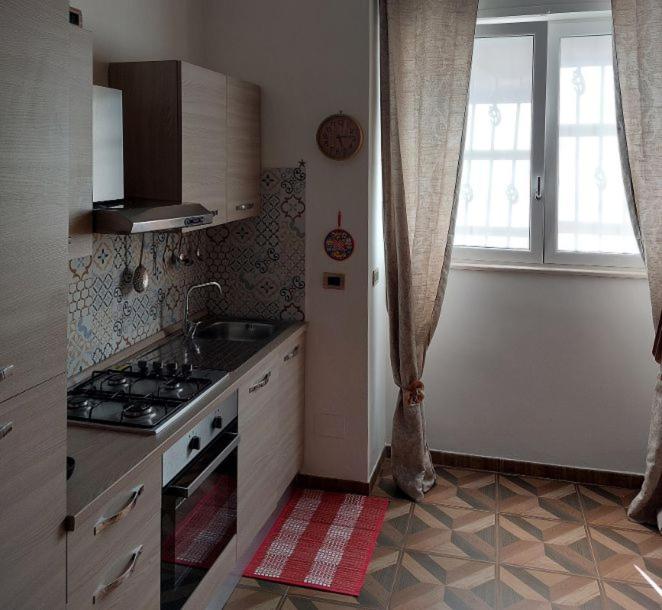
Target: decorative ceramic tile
(624, 596)
(530, 589)
(376, 589)
(395, 524)
(463, 488)
(258, 261)
(304, 603)
(258, 599)
(544, 543)
(266, 585)
(452, 531)
(608, 506)
(539, 498)
(386, 488)
(621, 554)
(426, 581)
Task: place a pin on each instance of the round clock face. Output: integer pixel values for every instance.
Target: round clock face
(339, 137)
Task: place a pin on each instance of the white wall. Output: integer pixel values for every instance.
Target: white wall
(311, 58)
(544, 368)
(126, 30)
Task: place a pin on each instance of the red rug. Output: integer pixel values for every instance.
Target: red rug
(321, 540)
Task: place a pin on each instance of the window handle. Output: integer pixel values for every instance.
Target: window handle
(538, 193)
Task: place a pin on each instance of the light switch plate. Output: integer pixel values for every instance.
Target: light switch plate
(375, 276)
(334, 281)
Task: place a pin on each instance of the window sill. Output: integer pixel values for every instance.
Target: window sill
(612, 272)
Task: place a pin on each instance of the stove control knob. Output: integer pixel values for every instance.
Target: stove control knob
(217, 422)
(157, 366)
(187, 369)
(142, 365)
(194, 443)
(172, 368)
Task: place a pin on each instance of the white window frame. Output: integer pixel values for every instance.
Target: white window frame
(543, 250)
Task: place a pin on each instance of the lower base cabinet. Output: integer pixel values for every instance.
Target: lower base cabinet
(271, 411)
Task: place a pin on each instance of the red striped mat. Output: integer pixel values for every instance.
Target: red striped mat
(321, 540)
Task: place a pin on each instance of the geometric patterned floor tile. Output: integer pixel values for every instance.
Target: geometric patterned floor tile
(619, 553)
(624, 596)
(608, 506)
(266, 585)
(458, 532)
(376, 589)
(303, 603)
(547, 544)
(463, 488)
(539, 498)
(395, 524)
(427, 581)
(243, 599)
(385, 487)
(527, 589)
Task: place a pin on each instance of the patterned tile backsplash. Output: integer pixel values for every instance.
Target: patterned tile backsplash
(259, 262)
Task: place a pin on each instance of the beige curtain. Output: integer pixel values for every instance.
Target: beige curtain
(426, 49)
(638, 54)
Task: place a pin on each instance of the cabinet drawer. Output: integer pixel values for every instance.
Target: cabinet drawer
(100, 548)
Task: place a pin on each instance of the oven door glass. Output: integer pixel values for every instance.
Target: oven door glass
(199, 518)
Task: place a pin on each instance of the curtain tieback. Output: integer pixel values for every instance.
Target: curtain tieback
(413, 394)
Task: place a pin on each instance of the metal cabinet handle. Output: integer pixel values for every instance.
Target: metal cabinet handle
(111, 586)
(245, 206)
(260, 384)
(108, 521)
(6, 371)
(538, 188)
(5, 429)
(291, 355)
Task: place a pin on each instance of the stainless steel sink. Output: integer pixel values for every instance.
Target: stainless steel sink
(233, 330)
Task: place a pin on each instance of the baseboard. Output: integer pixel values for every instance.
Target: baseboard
(310, 481)
(585, 476)
(378, 468)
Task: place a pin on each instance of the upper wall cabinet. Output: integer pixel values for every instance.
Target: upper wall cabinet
(190, 135)
(80, 142)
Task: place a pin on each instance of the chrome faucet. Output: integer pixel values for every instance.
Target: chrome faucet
(189, 328)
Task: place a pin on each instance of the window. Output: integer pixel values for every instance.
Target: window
(541, 178)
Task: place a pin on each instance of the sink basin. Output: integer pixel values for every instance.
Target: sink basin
(234, 330)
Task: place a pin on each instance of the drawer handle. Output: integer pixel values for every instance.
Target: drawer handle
(111, 586)
(260, 384)
(245, 206)
(5, 429)
(6, 371)
(108, 521)
(291, 355)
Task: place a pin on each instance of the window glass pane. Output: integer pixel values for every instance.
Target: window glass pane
(494, 202)
(592, 210)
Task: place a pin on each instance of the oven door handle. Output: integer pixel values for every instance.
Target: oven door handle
(186, 491)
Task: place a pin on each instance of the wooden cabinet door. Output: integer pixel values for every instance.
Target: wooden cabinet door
(203, 132)
(244, 149)
(80, 142)
(34, 190)
(257, 485)
(290, 405)
(33, 498)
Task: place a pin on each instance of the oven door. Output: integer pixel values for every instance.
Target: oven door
(198, 518)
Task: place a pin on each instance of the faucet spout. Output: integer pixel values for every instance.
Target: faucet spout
(189, 329)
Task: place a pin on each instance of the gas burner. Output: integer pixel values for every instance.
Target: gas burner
(174, 384)
(79, 403)
(138, 409)
(117, 381)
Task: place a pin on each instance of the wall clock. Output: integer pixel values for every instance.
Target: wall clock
(339, 137)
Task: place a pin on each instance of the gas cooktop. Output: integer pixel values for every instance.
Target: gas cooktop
(139, 396)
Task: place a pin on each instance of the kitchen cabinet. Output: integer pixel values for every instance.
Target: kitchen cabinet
(191, 135)
(113, 555)
(271, 411)
(80, 142)
(33, 497)
(244, 150)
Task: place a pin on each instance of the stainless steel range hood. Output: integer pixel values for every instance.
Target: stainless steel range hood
(131, 217)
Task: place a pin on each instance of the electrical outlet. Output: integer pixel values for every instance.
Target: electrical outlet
(375, 276)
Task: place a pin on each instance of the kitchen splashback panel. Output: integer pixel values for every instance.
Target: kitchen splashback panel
(258, 261)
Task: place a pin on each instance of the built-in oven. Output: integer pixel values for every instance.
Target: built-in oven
(199, 503)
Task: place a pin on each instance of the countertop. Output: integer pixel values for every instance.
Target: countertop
(105, 457)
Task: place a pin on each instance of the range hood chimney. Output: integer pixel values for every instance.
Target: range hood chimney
(112, 213)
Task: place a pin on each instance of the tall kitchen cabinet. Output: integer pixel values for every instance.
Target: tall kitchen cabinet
(34, 199)
(191, 135)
